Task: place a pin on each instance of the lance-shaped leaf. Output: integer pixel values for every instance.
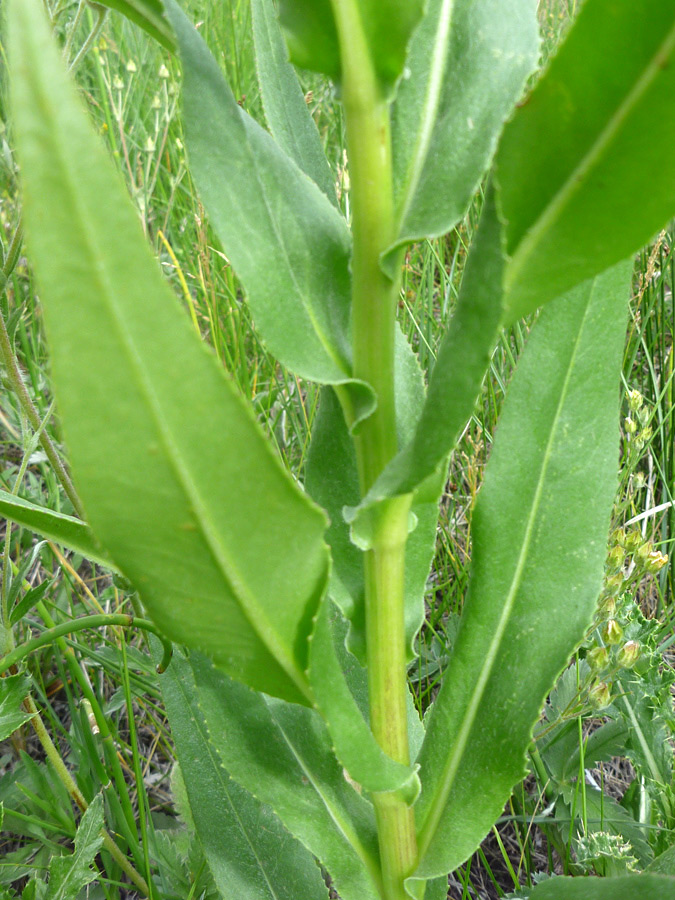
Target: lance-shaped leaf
(183, 491)
(282, 754)
(585, 168)
(149, 14)
(66, 530)
(383, 26)
(13, 691)
(332, 480)
(69, 874)
(539, 539)
(286, 241)
(627, 887)
(286, 111)
(250, 854)
(466, 68)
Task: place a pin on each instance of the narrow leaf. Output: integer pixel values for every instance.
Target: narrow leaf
(467, 66)
(354, 743)
(69, 874)
(148, 14)
(13, 691)
(185, 453)
(66, 530)
(288, 244)
(385, 26)
(627, 887)
(286, 111)
(282, 754)
(585, 168)
(250, 854)
(539, 538)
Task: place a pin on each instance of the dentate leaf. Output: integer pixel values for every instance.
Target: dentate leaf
(69, 874)
(181, 448)
(148, 14)
(66, 530)
(539, 539)
(627, 887)
(467, 66)
(282, 754)
(314, 39)
(286, 111)
(584, 169)
(13, 691)
(286, 241)
(250, 854)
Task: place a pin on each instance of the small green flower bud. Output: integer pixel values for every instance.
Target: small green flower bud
(618, 537)
(644, 415)
(629, 426)
(635, 400)
(638, 481)
(599, 695)
(655, 562)
(634, 540)
(131, 67)
(646, 434)
(612, 633)
(615, 558)
(614, 583)
(607, 606)
(643, 553)
(118, 84)
(163, 71)
(628, 655)
(597, 658)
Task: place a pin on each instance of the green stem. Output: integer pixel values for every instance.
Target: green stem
(374, 298)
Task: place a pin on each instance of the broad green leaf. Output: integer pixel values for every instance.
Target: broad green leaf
(69, 874)
(178, 480)
(354, 743)
(286, 241)
(627, 887)
(148, 14)
(466, 68)
(462, 362)
(282, 754)
(70, 532)
(250, 854)
(314, 35)
(286, 111)
(539, 540)
(584, 169)
(13, 691)
(664, 864)
(332, 480)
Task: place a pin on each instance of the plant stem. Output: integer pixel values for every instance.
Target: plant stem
(374, 298)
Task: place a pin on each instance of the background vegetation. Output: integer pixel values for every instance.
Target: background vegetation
(610, 719)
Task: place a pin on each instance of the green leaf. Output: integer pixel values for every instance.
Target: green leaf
(332, 480)
(169, 462)
(664, 864)
(148, 14)
(66, 530)
(584, 169)
(69, 874)
(354, 743)
(627, 887)
(287, 243)
(386, 26)
(467, 66)
(286, 111)
(539, 540)
(13, 691)
(250, 854)
(282, 754)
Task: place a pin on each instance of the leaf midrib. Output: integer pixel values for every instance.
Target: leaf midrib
(556, 208)
(428, 829)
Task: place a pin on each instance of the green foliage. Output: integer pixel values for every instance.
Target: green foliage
(13, 691)
(69, 874)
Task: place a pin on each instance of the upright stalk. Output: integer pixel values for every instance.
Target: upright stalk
(374, 298)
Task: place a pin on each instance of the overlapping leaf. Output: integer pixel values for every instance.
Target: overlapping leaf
(585, 168)
(148, 14)
(466, 68)
(69, 874)
(627, 887)
(539, 537)
(177, 479)
(13, 691)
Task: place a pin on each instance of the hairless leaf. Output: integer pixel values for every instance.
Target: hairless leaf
(286, 111)
(13, 691)
(66, 530)
(466, 68)
(539, 537)
(627, 887)
(149, 14)
(282, 754)
(585, 169)
(249, 852)
(70, 873)
(283, 236)
(186, 458)
(314, 38)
